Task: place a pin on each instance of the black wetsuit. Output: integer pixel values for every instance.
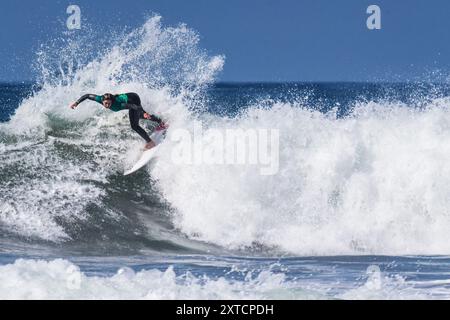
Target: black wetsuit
(127, 101)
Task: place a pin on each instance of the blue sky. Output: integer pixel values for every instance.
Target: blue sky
(262, 40)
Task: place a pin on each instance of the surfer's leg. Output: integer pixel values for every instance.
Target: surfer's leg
(134, 98)
(134, 122)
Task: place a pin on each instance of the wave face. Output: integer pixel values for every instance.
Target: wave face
(368, 178)
(61, 170)
(375, 182)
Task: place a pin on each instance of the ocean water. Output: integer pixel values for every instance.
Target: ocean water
(358, 208)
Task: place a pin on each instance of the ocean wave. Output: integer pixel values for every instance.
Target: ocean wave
(62, 279)
(375, 181)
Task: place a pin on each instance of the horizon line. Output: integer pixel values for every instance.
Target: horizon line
(33, 82)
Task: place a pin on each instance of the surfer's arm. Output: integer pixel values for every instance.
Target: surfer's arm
(88, 96)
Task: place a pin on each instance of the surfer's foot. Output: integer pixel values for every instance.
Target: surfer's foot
(149, 145)
(162, 126)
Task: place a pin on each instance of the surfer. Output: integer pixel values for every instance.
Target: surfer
(126, 101)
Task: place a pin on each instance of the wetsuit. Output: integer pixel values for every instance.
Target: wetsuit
(130, 101)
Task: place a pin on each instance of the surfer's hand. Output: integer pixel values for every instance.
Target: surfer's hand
(74, 105)
(146, 115)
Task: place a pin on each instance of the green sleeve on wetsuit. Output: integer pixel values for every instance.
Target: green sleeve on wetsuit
(120, 102)
(122, 99)
(98, 99)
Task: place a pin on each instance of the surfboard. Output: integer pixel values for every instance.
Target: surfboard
(148, 155)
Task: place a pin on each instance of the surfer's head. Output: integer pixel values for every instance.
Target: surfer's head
(107, 100)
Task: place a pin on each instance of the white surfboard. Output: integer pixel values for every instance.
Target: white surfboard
(147, 155)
